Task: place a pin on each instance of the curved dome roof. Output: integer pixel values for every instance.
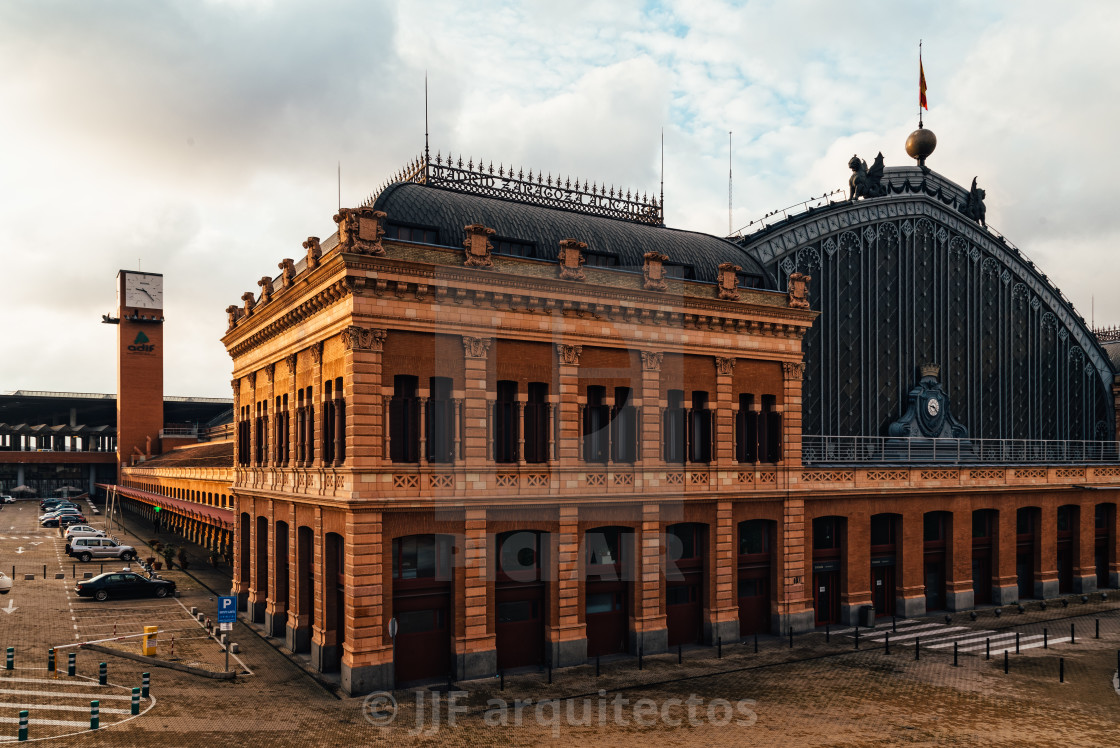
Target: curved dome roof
(448, 211)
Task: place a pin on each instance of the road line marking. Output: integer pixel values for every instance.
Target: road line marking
(934, 635)
(60, 708)
(65, 695)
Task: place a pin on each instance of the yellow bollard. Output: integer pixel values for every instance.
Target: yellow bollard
(148, 642)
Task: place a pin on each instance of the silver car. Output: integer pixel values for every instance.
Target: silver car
(87, 549)
(82, 531)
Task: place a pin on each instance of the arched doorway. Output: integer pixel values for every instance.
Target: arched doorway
(685, 545)
(828, 542)
(422, 587)
(937, 527)
(520, 599)
(608, 553)
(756, 538)
(884, 562)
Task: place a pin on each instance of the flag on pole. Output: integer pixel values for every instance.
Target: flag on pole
(922, 85)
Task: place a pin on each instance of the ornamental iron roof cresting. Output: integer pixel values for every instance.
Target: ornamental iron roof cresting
(547, 191)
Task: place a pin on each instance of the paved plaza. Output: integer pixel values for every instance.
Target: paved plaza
(836, 688)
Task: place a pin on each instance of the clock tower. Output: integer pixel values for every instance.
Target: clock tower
(139, 365)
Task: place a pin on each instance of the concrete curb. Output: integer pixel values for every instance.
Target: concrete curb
(162, 663)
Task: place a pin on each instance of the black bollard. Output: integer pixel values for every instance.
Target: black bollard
(102, 674)
(1098, 634)
(1005, 661)
(827, 634)
(1016, 642)
(917, 648)
(857, 637)
(44, 571)
(719, 647)
(894, 624)
(1072, 638)
(71, 664)
(988, 649)
(680, 656)
(791, 637)
(50, 660)
(955, 655)
(887, 649)
(1061, 669)
(1045, 639)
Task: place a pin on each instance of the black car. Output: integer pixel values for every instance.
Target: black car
(64, 520)
(125, 583)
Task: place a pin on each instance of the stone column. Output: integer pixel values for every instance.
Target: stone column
(724, 451)
(1085, 544)
(1005, 582)
(568, 451)
(1046, 552)
(722, 616)
(476, 653)
(275, 611)
(364, 421)
(567, 634)
(959, 594)
(367, 652)
(292, 421)
(649, 450)
(298, 630)
(650, 631)
(316, 430)
(795, 571)
(476, 403)
(792, 373)
(320, 647)
(857, 566)
(911, 588)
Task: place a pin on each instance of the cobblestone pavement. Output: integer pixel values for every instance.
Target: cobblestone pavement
(823, 691)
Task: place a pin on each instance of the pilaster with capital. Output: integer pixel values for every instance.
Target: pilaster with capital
(475, 406)
(792, 374)
(567, 360)
(650, 447)
(725, 412)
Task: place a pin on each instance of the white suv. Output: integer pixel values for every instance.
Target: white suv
(82, 531)
(87, 549)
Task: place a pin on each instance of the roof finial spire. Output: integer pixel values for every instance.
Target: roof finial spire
(426, 154)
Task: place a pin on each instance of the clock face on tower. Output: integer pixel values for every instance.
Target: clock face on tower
(143, 290)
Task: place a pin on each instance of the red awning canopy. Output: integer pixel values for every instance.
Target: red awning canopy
(211, 514)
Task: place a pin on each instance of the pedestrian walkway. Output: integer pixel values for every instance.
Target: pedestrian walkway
(60, 707)
(932, 635)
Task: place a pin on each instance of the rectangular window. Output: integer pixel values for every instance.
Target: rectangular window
(600, 259)
(596, 418)
(404, 420)
(411, 233)
(441, 421)
(326, 448)
(416, 621)
(624, 426)
(700, 429)
(882, 530)
(505, 422)
(771, 446)
(981, 525)
(750, 587)
(602, 602)
(537, 423)
(754, 538)
(934, 528)
(673, 428)
(680, 595)
(514, 248)
(421, 557)
(515, 611)
(746, 430)
(826, 535)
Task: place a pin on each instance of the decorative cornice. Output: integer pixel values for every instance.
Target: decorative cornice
(569, 354)
(476, 347)
(307, 309)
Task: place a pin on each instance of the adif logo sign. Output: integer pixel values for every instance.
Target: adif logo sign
(141, 344)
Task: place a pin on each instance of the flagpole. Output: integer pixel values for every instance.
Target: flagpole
(919, 85)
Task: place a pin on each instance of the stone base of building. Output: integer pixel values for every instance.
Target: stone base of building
(256, 611)
(800, 622)
(957, 601)
(650, 642)
(1114, 579)
(471, 665)
(568, 653)
(324, 657)
(725, 631)
(1085, 584)
(1046, 590)
(275, 624)
(297, 639)
(356, 681)
(912, 607)
(1005, 595)
(243, 601)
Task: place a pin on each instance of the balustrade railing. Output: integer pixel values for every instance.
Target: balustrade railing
(821, 450)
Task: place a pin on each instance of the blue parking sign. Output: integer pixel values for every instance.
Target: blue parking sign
(227, 609)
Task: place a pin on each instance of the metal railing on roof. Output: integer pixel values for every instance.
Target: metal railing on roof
(819, 450)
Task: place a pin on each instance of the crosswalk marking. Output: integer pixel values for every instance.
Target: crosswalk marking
(943, 636)
(991, 635)
(911, 634)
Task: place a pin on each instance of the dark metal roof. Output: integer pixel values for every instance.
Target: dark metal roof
(1112, 348)
(96, 409)
(449, 211)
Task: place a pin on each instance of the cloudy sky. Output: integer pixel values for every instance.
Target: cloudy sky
(201, 139)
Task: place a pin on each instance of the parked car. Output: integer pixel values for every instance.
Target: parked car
(5, 584)
(5, 499)
(51, 520)
(60, 510)
(82, 531)
(65, 520)
(87, 549)
(124, 583)
(46, 504)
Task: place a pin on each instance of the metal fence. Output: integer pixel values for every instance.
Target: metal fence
(886, 449)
